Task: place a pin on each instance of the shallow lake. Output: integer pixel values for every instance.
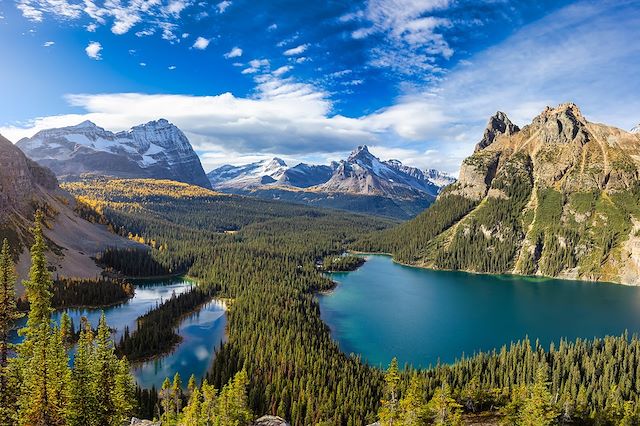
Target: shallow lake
(384, 309)
(202, 332)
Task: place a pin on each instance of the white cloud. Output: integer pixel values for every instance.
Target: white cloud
(411, 38)
(236, 52)
(171, 67)
(146, 32)
(272, 27)
(296, 50)
(93, 50)
(185, 35)
(201, 43)
(282, 70)
(256, 65)
(124, 16)
(49, 43)
(223, 5)
(143, 64)
(580, 53)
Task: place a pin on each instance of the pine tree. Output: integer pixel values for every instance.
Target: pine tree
(413, 405)
(8, 314)
(167, 402)
(444, 410)
(66, 328)
(209, 402)
(232, 406)
(123, 394)
(83, 399)
(105, 365)
(176, 392)
(388, 413)
(538, 409)
(42, 360)
(193, 411)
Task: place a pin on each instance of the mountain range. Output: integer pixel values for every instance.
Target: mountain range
(157, 149)
(26, 186)
(558, 197)
(361, 183)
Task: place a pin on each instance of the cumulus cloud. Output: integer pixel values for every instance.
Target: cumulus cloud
(171, 67)
(579, 53)
(93, 50)
(49, 43)
(296, 50)
(201, 43)
(236, 52)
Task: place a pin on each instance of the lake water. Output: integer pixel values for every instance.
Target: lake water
(201, 332)
(384, 309)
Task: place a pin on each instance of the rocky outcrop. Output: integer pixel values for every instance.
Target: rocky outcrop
(558, 197)
(499, 124)
(157, 149)
(138, 422)
(270, 421)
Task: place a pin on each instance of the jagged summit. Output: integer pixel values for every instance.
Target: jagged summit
(157, 149)
(636, 129)
(499, 124)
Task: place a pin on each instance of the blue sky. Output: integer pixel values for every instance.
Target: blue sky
(308, 81)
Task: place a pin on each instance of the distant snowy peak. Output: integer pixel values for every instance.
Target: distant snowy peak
(249, 175)
(636, 129)
(157, 149)
(438, 178)
(362, 173)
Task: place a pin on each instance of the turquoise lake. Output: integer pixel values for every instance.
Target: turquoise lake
(423, 316)
(202, 332)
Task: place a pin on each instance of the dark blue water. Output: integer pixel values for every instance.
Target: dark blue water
(421, 316)
(202, 332)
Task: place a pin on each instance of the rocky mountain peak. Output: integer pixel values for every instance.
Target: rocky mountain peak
(360, 152)
(86, 124)
(562, 124)
(636, 129)
(499, 124)
(275, 163)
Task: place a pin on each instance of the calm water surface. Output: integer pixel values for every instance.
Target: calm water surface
(201, 332)
(421, 316)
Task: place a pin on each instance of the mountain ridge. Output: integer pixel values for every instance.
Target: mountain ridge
(559, 197)
(361, 183)
(157, 149)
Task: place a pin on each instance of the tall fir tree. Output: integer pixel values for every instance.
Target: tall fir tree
(8, 314)
(389, 411)
(413, 406)
(538, 409)
(444, 410)
(42, 360)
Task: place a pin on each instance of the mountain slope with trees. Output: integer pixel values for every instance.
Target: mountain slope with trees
(559, 197)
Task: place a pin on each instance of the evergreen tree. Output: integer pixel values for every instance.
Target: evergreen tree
(538, 409)
(105, 364)
(413, 405)
(443, 409)
(389, 413)
(8, 314)
(42, 360)
(167, 402)
(176, 392)
(83, 389)
(193, 411)
(123, 394)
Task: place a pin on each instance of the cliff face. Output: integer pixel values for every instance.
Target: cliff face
(559, 197)
(24, 187)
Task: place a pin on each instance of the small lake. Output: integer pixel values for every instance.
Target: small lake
(384, 309)
(202, 332)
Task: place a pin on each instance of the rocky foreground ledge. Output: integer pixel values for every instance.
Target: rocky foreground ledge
(262, 421)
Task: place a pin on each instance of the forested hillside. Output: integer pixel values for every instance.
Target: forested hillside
(559, 197)
(268, 268)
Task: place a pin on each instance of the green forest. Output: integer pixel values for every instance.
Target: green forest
(268, 266)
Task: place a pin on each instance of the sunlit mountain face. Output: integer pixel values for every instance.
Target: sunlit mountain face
(306, 82)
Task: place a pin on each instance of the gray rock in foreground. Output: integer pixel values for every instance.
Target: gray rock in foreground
(270, 421)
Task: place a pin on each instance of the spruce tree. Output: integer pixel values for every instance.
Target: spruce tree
(538, 409)
(83, 390)
(104, 365)
(42, 360)
(389, 413)
(8, 314)
(123, 394)
(413, 406)
(444, 410)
